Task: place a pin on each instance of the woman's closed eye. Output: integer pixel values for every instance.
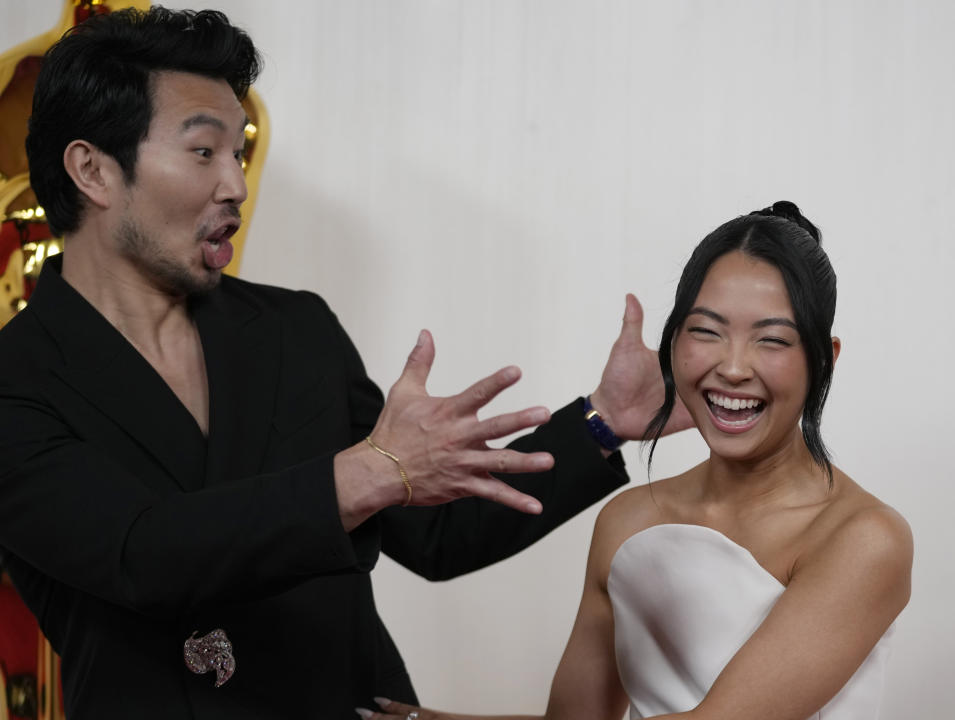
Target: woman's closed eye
(772, 340)
(702, 332)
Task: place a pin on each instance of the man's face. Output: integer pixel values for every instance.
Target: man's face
(183, 205)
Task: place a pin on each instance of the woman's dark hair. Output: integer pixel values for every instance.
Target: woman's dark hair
(782, 237)
(96, 85)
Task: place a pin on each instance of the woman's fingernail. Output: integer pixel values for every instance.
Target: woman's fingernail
(364, 712)
(383, 702)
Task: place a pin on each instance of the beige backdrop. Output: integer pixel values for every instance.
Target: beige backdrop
(503, 171)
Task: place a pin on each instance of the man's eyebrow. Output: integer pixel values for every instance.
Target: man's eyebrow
(766, 322)
(204, 119)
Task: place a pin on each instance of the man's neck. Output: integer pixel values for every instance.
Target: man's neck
(143, 313)
(157, 324)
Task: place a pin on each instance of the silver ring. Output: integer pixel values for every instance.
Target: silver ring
(413, 715)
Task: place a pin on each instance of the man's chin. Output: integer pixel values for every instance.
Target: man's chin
(206, 285)
(189, 286)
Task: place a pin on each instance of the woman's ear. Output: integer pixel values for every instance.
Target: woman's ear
(836, 347)
(93, 171)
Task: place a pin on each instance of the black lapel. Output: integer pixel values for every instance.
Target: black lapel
(241, 346)
(103, 367)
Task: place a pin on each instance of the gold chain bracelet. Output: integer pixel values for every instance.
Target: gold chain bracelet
(401, 470)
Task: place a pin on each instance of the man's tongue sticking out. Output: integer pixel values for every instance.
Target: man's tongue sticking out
(217, 252)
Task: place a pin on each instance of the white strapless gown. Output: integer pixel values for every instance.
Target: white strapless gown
(685, 599)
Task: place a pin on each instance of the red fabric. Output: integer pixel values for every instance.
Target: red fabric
(18, 634)
(15, 234)
(9, 241)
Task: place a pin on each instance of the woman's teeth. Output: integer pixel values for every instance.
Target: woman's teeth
(732, 403)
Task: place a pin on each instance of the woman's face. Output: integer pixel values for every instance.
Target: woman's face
(738, 361)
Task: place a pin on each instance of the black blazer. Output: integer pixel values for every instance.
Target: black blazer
(125, 529)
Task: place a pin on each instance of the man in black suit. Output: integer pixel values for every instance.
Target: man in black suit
(195, 472)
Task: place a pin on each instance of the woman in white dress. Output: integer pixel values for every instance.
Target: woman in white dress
(762, 583)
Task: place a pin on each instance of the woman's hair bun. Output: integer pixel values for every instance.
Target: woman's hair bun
(788, 211)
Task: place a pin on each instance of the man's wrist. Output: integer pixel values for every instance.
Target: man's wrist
(401, 471)
(365, 483)
(599, 429)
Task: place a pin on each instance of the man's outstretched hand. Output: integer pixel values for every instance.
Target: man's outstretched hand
(631, 387)
(441, 444)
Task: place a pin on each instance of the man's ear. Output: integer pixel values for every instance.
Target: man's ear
(95, 173)
(836, 347)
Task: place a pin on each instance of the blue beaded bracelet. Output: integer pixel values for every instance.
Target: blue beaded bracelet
(599, 429)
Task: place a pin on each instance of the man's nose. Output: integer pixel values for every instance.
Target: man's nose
(232, 188)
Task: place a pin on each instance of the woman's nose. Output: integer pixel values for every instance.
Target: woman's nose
(735, 365)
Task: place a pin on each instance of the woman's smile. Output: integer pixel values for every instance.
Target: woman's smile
(733, 414)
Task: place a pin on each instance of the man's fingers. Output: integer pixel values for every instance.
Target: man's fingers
(633, 312)
(680, 418)
(632, 330)
(506, 462)
(502, 425)
(483, 391)
(504, 494)
(419, 362)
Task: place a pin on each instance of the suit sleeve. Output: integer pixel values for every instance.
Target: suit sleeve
(443, 542)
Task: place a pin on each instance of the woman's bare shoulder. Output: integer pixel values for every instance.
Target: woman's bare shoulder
(637, 508)
(632, 511)
(859, 529)
(855, 510)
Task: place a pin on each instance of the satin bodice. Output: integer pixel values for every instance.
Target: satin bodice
(685, 599)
